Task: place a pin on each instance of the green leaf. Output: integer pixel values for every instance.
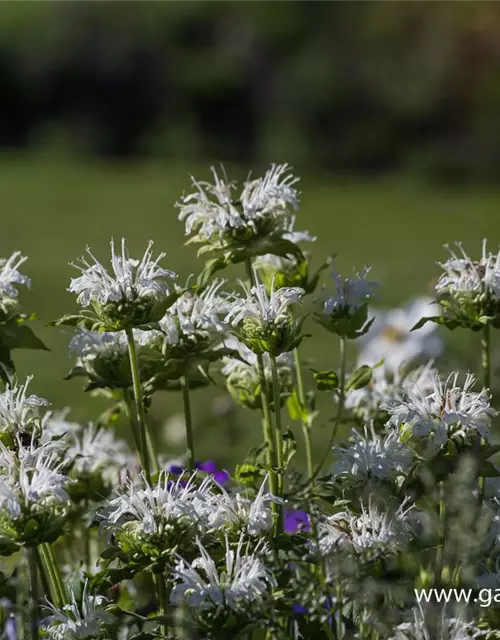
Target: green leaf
(449, 323)
(360, 378)
(19, 336)
(72, 320)
(289, 446)
(488, 470)
(7, 368)
(326, 380)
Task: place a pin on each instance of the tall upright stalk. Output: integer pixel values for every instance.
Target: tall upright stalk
(486, 375)
(162, 597)
(189, 423)
(139, 406)
(438, 571)
(306, 429)
(278, 432)
(268, 432)
(269, 437)
(340, 406)
(59, 593)
(33, 592)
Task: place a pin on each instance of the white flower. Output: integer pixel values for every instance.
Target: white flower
(273, 193)
(18, 411)
(421, 627)
(91, 344)
(92, 449)
(130, 279)
(168, 501)
(372, 456)
(244, 580)
(296, 236)
(448, 409)
(212, 210)
(261, 306)
(466, 277)
(82, 619)
(32, 482)
(385, 388)
(10, 275)
(374, 529)
(351, 293)
(390, 337)
(234, 510)
(199, 314)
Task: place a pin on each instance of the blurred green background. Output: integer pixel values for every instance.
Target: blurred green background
(390, 112)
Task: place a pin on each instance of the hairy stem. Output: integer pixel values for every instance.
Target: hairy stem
(441, 536)
(486, 371)
(162, 597)
(306, 429)
(268, 432)
(278, 425)
(189, 424)
(340, 405)
(139, 406)
(33, 592)
(58, 589)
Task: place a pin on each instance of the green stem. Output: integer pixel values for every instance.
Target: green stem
(268, 429)
(33, 592)
(162, 597)
(139, 405)
(340, 406)
(52, 566)
(486, 370)
(268, 432)
(189, 424)
(42, 573)
(441, 537)
(86, 542)
(485, 356)
(279, 428)
(306, 429)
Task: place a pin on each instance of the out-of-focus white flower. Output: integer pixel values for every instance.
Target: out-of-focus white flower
(466, 277)
(10, 275)
(421, 628)
(90, 344)
(372, 456)
(350, 293)
(244, 580)
(385, 388)
(130, 279)
(390, 337)
(449, 409)
(92, 449)
(78, 619)
(212, 210)
(374, 528)
(235, 511)
(263, 307)
(18, 411)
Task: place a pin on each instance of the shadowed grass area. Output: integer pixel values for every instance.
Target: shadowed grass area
(53, 209)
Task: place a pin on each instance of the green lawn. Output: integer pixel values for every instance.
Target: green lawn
(51, 210)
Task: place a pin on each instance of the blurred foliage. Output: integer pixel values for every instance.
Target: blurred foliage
(343, 86)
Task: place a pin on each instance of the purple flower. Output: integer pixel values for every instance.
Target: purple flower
(176, 470)
(299, 609)
(208, 467)
(222, 477)
(296, 521)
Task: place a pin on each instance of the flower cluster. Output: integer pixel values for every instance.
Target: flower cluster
(102, 541)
